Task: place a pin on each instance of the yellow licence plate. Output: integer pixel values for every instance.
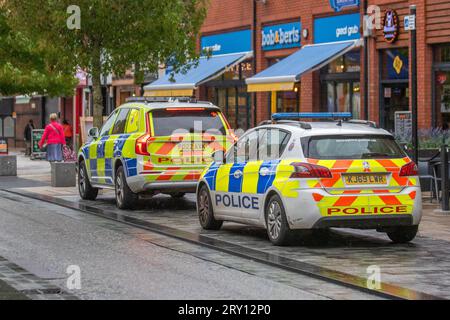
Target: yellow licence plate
(363, 179)
(191, 146)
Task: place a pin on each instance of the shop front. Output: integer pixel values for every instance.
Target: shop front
(277, 42)
(335, 55)
(441, 86)
(394, 85)
(219, 76)
(340, 78)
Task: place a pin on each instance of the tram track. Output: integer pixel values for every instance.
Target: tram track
(386, 290)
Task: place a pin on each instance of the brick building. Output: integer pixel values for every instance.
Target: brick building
(278, 29)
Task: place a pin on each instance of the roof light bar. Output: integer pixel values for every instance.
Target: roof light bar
(311, 115)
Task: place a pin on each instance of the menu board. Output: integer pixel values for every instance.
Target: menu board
(3, 145)
(36, 136)
(403, 126)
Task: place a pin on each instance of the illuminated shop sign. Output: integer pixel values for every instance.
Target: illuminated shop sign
(390, 26)
(338, 5)
(230, 42)
(281, 36)
(337, 28)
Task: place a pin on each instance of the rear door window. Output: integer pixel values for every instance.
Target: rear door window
(351, 147)
(121, 122)
(167, 122)
(133, 121)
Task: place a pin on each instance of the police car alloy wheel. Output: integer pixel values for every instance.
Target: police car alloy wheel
(125, 198)
(87, 192)
(205, 211)
(277, 226)
(403, 234)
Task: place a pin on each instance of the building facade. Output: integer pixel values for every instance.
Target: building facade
(275, 30)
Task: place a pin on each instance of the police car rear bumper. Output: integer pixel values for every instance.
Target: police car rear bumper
(366, 222)
(139, 185)
(303, 212)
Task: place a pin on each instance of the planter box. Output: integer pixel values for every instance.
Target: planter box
(8, 166)
(63, 174)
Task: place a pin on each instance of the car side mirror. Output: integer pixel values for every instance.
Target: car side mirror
(93, 133)
(219, 156)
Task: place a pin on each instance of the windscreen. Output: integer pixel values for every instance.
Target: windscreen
(167, 122)
(351, 147)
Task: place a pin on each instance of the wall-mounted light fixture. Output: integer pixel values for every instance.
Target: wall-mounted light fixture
(305, 33)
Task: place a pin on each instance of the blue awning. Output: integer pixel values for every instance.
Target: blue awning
(207, 69)
(284, 74)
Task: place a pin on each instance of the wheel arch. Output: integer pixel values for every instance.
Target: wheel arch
(267, 197)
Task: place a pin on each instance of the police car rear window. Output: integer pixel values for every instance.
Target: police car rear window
(167, 122)
(351, 147)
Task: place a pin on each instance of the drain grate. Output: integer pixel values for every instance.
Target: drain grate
(43, 291)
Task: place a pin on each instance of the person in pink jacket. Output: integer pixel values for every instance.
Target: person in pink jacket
(54, 138)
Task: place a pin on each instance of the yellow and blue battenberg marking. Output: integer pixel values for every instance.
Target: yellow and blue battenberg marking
(230, 181)
(99, 157)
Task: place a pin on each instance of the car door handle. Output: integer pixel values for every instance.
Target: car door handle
(237, 174)
(264, 171)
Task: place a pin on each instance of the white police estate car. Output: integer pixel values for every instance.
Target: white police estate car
(289, 175)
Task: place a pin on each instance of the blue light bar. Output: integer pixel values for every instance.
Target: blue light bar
(311, 115)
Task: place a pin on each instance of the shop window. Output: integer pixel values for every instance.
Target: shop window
(287, 101)
(349, 62)
(442, 54)
(341, 96)
(8, 127)
(240, 71)
(441, 83)
(395, 64)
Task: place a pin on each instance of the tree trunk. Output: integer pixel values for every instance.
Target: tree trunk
(97, 87)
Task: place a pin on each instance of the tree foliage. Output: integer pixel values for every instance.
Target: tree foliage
(26, 67)
(115, 35)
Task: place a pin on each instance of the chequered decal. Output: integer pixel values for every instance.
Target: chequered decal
(345, 200)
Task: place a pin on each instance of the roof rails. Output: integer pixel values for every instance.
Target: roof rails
(166, 99)
(303, 125)
(372, 124)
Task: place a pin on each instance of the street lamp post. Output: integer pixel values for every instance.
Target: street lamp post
(415, 139)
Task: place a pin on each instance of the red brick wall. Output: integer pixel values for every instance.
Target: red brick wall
(433, 26)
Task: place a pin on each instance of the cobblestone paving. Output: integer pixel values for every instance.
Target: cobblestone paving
(29, 285)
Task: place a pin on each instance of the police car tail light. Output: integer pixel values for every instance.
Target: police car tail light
(308, 170)
(141, 147)
(409, 169)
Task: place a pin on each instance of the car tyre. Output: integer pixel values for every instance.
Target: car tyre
(277, 226)
(402, 234)
(205, 211)
(125, 198)
(86, 190)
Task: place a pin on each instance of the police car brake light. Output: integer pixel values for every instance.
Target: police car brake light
(308, 170)
(409, 169)
(141, 147)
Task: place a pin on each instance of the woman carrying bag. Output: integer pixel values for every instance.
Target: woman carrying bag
(53, 139)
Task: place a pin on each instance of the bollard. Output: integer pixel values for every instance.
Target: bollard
(444, 177)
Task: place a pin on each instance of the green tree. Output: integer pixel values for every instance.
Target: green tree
(26, 67)
(114, 35)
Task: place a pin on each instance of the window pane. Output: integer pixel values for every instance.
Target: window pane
(121, 121)
(107, 125)
(8, 127)
(1, 127)
(343, 96)
(352, 147)
(356, 101)
(273, 144)
(133, 121)
(166, 123)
